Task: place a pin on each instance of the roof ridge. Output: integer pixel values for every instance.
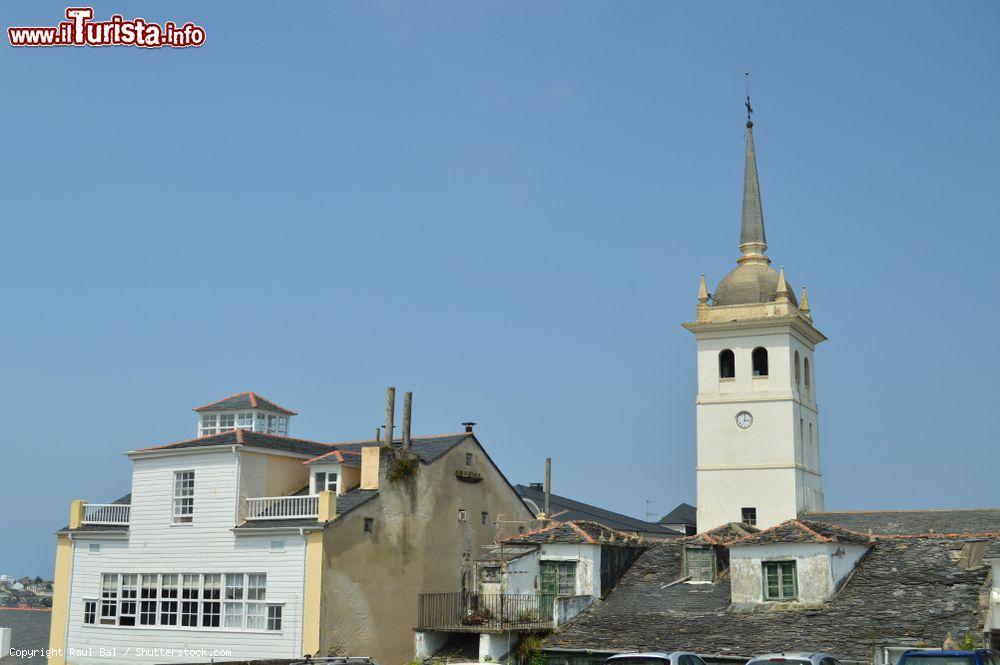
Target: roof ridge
(579, 530)
(802, 525)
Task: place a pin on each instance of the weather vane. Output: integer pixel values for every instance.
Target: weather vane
(746, 76)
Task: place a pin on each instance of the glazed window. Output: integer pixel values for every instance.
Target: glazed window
(90, 611)
(699, 564)
(183, 497)
(798, 371)
(749, 516)
(759, 358)
(808, 378)
(208, 425)
(779, 580)
(727, 364)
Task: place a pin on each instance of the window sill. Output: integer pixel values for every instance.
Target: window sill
(726, 379)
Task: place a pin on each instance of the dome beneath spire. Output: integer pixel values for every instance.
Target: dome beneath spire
(749, 283)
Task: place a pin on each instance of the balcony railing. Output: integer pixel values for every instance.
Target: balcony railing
(481, 612)
(106, 513)
(282, 507)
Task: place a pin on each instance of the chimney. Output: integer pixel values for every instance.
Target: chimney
(407, 411)
(378, 434)
(548, 487)
(390, 413)
(468, 426)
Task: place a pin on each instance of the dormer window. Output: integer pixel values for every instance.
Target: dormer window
(245, 421)
(227, 422)
(780, 581)
(324, 481)
(699, 564)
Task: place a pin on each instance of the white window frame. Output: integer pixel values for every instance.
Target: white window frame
(244, 420)
(208, 425)
(326, 483)
(183, 497)
(227, 422)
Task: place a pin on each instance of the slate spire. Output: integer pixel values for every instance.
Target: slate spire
(752, 227)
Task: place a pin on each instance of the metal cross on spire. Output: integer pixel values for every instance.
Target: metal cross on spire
(746, 77)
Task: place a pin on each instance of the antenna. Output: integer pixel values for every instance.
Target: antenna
(649, 513)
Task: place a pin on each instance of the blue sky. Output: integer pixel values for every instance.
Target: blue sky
(504, 207)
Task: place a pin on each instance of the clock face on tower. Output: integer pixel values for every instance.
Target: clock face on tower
(744, 419)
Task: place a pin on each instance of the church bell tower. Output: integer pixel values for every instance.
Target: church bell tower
(758, 422)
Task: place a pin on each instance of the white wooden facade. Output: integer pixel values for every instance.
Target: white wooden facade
(223, 478)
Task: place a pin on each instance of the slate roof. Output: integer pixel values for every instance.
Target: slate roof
(993, 551)
(723, 535)
(427, 448)
(579, 531)
(684, 513)
(802, 531)
(241, 437)
(907, 592)
(242, 401)
(569, 510)
(913, 522)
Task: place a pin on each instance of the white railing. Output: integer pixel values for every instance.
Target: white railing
(106, 513)
(282, 507)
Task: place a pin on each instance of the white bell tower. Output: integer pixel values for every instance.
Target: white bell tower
(758, 422)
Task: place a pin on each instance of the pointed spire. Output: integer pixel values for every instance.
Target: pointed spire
(702, 290)
(753, 241)
(782, 292)
(804, 303)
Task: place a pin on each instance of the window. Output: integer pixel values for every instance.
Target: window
(208, 425)
(468, 459)
(210, 593)
(109, 599)
(272, 422)
(147, 602)
(690, 660)
(325, 481)
(256, 616)
(749, 516)
(277, 546)
(189, 600)
(168, 600)
(463, 515)
(183, 497)
(261, 424)
(369, 525)
(256, 586)
(490, 574)
(727, 364)
(808, 378)
(558, 578)
(245, 421)
(94, 548)
(779, 580)
(699, 564)
(283, 425)
(811, 442)
(227, 421)
(798, 371)
(274, 617)
(126, 612)
(802, 430)
(485, 518)
(759, 357)
(90, 611)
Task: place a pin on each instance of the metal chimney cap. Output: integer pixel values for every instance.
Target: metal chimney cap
(468, 426)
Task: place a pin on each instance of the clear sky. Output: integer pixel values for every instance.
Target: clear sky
(504, 207)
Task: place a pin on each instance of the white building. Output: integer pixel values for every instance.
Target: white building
(757, 417)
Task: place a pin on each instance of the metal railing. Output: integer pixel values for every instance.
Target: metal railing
(106, 513)
(282, 507)
(485, 611)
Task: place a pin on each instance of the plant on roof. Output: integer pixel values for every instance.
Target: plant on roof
(529, 650)
(968, 642)
(402, 466)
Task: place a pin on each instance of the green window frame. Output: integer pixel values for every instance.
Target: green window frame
(780, 580)
(558, 578)
(699, 564)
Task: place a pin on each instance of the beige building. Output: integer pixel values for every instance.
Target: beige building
(246, 543)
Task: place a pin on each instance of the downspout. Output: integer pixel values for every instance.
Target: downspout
(302, 597)
(236, 502)
(69, 593)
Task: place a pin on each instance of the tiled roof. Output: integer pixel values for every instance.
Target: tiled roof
(247, 400)
(508, 552)
(906, 592)
(569, 510)
(723, 535)
(684, 513)
(802, 531)
(577, 531)
(241, 437)
(913, 522)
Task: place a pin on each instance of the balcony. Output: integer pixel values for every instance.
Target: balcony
(485, 612)
(283, 507)
(106, 514)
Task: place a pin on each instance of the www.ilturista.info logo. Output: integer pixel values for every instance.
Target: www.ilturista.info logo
(80, 30)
